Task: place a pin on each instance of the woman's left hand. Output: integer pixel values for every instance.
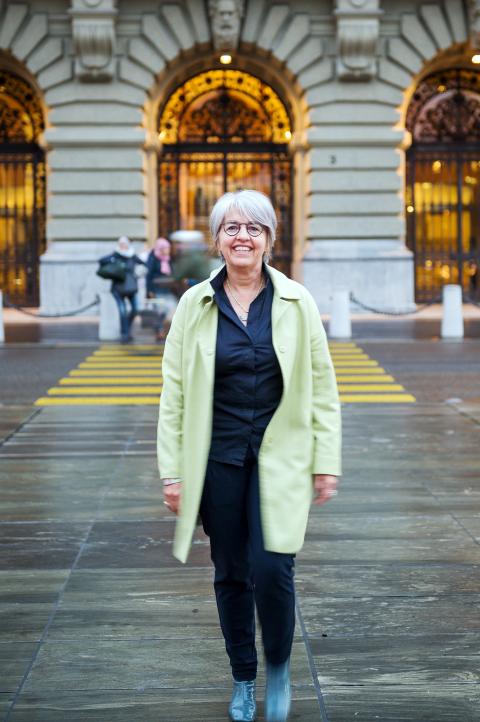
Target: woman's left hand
(325, 487)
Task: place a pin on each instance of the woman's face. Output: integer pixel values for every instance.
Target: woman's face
(241, 250)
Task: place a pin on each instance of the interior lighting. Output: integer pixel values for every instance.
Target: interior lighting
(442, 88)
(410, 209)
(437, 166)
(428, 264)
(225, 59)
(161, 135)
(288, 135)
(476, 59)
(445, 272)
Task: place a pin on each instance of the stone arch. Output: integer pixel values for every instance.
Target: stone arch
(28, 50)
(432, 38)
(277, 44)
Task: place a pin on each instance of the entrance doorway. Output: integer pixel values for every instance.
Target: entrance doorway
(443, 183)
(22, 190)
(221, 131)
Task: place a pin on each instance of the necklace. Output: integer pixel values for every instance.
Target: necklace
(243, 317)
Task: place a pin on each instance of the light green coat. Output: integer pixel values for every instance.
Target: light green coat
(302, 438)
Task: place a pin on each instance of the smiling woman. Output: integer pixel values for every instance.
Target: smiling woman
(249, 432)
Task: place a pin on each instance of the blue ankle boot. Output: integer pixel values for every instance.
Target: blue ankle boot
(278, 693)
(243, 707)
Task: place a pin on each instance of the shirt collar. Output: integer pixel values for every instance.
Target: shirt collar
(282, 285)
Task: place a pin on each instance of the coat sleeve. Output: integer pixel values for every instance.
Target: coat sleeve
(326, 420)
(170, 422)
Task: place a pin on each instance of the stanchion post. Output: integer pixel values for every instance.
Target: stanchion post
(109, 326)
(452, 316)
(2, 329)
(340, 325)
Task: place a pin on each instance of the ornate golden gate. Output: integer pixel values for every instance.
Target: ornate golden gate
(443, 183)
(22, 190)
(221, 131)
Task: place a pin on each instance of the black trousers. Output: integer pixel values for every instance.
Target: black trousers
(245, 574)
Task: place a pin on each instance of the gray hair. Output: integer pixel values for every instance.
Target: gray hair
(252, 204)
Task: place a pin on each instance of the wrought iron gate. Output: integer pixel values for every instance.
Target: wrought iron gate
(443, 219)
(22, 190)
(190, 182)
(443, 183)
(22, 221)
(224, 130)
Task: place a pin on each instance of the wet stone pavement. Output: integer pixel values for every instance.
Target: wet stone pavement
(99, 623)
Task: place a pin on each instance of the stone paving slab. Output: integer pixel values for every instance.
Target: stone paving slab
(104, 664)
(187, 705)
(369, 615)
(393, 703)
(381, 660)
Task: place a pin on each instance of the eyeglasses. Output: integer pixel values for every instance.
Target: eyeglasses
(253, 229)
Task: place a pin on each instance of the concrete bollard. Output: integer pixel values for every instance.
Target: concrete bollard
(109, 326)
(452, 317)
(2, 329)
(340, 325)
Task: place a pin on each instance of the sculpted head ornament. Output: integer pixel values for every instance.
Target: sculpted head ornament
(225, 18)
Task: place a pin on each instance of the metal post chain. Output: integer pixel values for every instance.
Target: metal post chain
(406, 313)
(9, 304)
(392, 313)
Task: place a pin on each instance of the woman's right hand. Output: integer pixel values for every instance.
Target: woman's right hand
(171, 496)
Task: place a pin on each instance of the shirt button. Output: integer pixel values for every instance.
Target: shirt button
(209, 351)
(282, 349)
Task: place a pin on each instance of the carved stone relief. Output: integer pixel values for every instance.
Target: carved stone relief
(474, 8)
(225, 20)
(358, 26)
(93, 30)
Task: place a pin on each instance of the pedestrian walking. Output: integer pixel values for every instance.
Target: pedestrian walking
(124, 284)
(248, 435)
(160, 284)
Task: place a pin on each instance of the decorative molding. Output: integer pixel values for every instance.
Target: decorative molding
(358, 27)
(474, 12)
(93, 30)
(225, 21)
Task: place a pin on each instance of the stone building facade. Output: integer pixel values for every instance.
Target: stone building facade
(121, 117)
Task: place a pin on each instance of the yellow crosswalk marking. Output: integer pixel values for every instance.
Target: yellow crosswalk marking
(61, 391)
(98, 400)
(115, 375)
(119, 365)
(120, 357)
(130, 361)
(349, 357)
(356, 370)
(370, 387)
(384, 379)
(362, 362)
(84, 380)
(115, 372)
(377, 398)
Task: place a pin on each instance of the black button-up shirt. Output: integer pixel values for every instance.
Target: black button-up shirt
(248, 379)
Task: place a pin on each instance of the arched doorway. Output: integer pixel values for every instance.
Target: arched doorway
(22, 190)
(223, 130)
(443, 183)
